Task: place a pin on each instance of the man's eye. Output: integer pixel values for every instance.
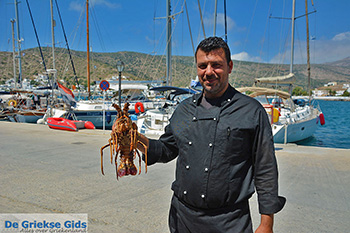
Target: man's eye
(202, 66)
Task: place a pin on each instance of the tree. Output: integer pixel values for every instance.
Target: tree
(331, 92)
(346, 93)
(297, 91)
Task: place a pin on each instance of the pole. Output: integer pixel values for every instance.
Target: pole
(52, 35)
(215, 16)
(104, 110)
(120, 89)
(292, 40)
(14, 48)
(308, 51)
(189, 27)
(88, 47)
(168, 43)
(225, 21)
(19, 46)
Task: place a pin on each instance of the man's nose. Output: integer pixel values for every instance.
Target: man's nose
(209, 70)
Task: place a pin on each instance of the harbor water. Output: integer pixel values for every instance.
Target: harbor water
(335, 133)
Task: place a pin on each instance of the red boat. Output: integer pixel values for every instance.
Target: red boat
(70, 125)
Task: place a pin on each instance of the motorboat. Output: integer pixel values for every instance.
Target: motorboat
(69, 125)
(154, 121)
(102, 113)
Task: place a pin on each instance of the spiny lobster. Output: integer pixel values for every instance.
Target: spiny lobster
(123, 141)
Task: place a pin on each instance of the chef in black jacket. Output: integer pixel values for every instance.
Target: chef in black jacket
(224, 147)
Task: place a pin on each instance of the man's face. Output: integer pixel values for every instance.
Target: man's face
(213, 72)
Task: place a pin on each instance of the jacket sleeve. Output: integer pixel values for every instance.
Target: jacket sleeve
(265, 168)
(162, 150)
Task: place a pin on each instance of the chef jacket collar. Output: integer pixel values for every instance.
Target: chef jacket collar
(229, 95)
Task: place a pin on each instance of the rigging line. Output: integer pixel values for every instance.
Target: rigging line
(189, 27)
(65, 37)
(281, 45)
(176, 21)
(154, 56)
(36, 35)
(74, 33)
(267, 29)
(246, 39)
(97, 27)
(173, 30)
(154, 47)
(299, 43)
(162, 56)
(201, 17)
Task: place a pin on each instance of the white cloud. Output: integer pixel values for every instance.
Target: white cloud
(321, 50)
(76, 6)
(107, 3)
(342, 36)
(79, 6)
(244, 56)
(220, 22)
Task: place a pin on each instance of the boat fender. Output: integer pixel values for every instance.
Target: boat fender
(137, 106)
(12, 103)
(108, 117)
(89, 125)
(276, 115)
(322, 120)
(133, 117)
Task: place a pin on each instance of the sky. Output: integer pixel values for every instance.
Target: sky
(139, 26)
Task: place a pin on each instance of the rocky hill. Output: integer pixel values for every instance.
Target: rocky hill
(139, 66)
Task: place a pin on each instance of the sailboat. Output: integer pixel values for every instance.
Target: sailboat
(153, 122)
(290, 122)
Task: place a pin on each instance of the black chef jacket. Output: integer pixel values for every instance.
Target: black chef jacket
(222, 153)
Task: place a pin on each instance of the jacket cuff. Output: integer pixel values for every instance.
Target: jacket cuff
(270, 204)
(153, 152)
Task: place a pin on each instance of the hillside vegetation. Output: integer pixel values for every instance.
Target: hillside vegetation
(139, 66)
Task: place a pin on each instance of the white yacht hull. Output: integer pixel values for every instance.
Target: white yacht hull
(295, 132)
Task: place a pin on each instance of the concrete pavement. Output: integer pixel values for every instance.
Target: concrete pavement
(51, 171)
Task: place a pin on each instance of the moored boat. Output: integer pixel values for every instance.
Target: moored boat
(66, 124)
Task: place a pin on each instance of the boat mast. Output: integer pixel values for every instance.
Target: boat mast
(308, 51)
(225, 21)
(13, 48)
(53, 24)
(215, 16)
(88, 47)
(168, 44)
(292, 40)
(19, 41)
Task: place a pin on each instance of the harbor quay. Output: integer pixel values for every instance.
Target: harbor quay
(51, 171)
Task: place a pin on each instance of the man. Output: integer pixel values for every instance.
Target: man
(224, 147)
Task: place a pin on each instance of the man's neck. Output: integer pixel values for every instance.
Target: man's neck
(216, 101)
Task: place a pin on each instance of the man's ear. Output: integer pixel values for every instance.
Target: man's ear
(230, 65)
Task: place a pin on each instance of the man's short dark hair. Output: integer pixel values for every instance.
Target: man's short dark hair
(213, 43)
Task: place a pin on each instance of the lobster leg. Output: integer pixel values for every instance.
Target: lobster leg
(102, 157)
(111, 148)
(142, 144)
(138, 154)
(116, 165)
